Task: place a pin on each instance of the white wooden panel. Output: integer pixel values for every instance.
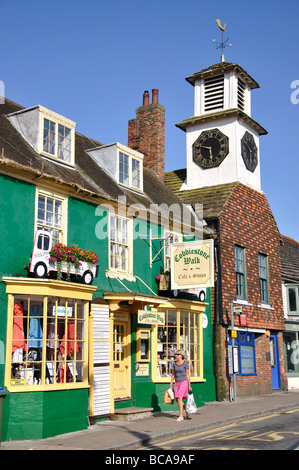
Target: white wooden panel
(101, 355)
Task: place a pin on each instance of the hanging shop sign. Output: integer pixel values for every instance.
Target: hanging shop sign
(151, 318)
(192, 264)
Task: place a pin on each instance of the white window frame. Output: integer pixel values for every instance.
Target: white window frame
(296, 287)
(64, 206)
(57, 120)
(128, 246)
(132, 156)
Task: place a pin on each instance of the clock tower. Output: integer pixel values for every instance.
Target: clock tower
(222, 139)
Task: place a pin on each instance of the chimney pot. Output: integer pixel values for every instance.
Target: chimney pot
(145, 98)
(155, 96)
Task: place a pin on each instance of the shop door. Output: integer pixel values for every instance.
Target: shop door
(274, 362)
(121, 357)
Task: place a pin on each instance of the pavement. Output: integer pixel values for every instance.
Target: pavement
(124, 435)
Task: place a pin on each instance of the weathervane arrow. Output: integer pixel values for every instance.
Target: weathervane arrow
(221, 44)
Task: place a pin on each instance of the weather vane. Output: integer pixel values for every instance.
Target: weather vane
(223, 43)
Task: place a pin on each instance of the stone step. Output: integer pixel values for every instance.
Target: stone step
(132, 413)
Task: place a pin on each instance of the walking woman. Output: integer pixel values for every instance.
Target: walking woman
(181, 377)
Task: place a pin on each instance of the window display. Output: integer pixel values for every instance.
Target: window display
(48, 339)
(181, 331)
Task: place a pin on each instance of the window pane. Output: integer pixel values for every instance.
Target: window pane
(292, 299)
(135, 173)
(64, 143)
(263, 274)
(49, 137)
(240, 272)
(123, 168)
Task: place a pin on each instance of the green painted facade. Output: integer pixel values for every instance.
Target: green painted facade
(33, 415)
(37, 415)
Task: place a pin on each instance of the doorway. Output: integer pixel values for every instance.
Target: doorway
(121, 360)
(275, 369)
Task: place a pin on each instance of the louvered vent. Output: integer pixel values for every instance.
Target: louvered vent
(214, 93)
(241, 95)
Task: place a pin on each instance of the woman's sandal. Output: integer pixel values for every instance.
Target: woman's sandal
(180, 419)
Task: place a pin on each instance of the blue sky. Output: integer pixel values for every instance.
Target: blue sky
(91, 61)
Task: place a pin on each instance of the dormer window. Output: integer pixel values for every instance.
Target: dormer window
(49, 133)
(58, 140)
(129, 170)
(122, 163)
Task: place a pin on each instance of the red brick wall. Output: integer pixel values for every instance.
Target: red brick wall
(247, 221)
(146, 134)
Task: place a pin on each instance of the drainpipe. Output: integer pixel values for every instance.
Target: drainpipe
(218, 306)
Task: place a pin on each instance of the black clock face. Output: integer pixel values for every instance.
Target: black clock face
(210, 148)
(249, 151)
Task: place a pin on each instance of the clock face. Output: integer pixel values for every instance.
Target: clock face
(249, 151)
(210, 148)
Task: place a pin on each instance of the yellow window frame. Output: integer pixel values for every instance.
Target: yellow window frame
(190, 307)
(46, 288)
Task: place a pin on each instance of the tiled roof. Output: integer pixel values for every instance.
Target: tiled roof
(86, 175)
(213, 198)
(289, 252)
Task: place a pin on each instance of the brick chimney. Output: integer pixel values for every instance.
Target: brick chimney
(146, 133)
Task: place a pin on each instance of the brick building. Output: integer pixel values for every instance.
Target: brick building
(223, 174)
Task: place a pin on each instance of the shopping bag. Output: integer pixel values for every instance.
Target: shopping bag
(167, 400)
(191, 405)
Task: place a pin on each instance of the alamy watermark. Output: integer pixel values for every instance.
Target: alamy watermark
(295, 94)
(176, 218)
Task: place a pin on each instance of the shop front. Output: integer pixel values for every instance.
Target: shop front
(291, 343)
(46, 366)
(145, 332)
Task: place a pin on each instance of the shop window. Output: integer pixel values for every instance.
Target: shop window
(246, 353)
(48, 342)
(182, 330)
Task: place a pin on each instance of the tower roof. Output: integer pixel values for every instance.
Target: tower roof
(221, 68)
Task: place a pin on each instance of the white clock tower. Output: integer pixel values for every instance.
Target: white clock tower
(222, 139)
